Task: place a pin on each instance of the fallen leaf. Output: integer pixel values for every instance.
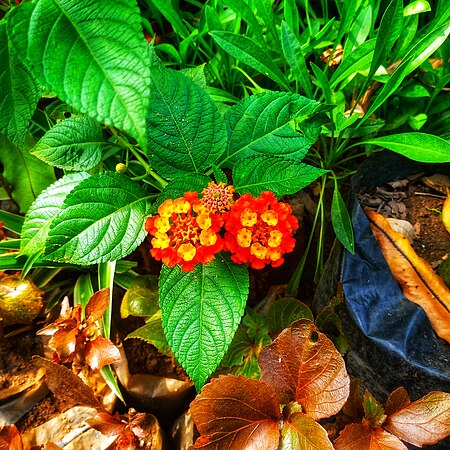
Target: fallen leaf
(446, 213)
(236, 413)
(402, 226)
(423, 422)
(97, 305)
(107, 424)
(101, 352)
(414, 275)
(303, 365)
(303, 432)
(10, 438)
(361, 436)
(373, 411)
(397, 400)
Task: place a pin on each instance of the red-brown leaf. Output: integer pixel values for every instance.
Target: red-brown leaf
(101, 352)
(415, 276)
(423, 422)
(10, 438)
(303, 432)
(398, 400)
(236, 413)
(361, 436)
(97, 305)
(64, 343)
(302, 364)
(66, 385)
(107, 424)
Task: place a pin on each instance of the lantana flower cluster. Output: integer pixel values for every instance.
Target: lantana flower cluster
(189, 230)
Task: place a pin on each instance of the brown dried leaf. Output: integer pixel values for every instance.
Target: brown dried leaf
(415, 276)
(303, 432)
(107, 424)
(64, 343)
(236, 413)
(10, 438)
(66, 385)
(353, 407)
(97, 305)
(398, 400)
(302, 364)
(101, 352)
(423, 422)
(361, 436)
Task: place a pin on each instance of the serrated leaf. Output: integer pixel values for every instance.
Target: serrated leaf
(44, 209)
(19, 93)
(302, 432)
(280, 175)
(141, 298)
(360, 436)
(100, 48)
(201, 311)
(236, 413)
(284, 311)
(72, 144)
(102, 220)
(263, 125)
(185, 130)
(26, 174)
(152, 333)
(303, 365)
(423, 422)
(341, 221)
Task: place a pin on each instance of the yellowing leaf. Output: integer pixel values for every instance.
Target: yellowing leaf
(415, 276)
(423, 422)
(446, 213)
(302, 432)
(302, 364)
(361, 436)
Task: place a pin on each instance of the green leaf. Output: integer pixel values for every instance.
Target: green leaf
(18, 92)
(323, 83)
(152, 333)
(388, 32)
(12, 222)
(79, 48)
(44, 210)
(420, 147)
(141, 298)
(416, 7)
(185, 130)
(341, 221)
(294, 56)
(72, 144)
(280, 175)
(263, 124)
(102, 220)
(241, 8)
(246, 50)
(201, 311)
(219, 175)
(26, 174)
(257, 328)
(167, 9)
(284, 311)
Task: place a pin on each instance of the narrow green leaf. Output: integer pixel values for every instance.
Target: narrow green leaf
(241, 8)
(111, 381)
(263, 124)
(294, 56)
(265, 11)
(166, 8)
(280, 175)
(83, 291)
(185, 130)
(102, 220)
(201, 311)
(72, 144)
(323, 83)
(388, 32)
(26, 174)
(100, 48)
(44, 210)
(152, 333)
(12, 222)
(416, 7)
(249, 52)
(18, 92)
(341, 221)
(420, 147)
(291, 16)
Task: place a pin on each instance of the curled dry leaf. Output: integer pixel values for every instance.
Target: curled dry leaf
(101, 352)
(236, 413)
(303, 365)
(97, 305)
(402, 226)
(303, 432)
(10, 438)
(415, 276)
(361, 436)
(423, 422)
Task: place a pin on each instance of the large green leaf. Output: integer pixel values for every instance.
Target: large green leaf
(18, 92)
(185, 130)
(263, 124)
(420, 147)
(249, 52)
(43, 211)
(90, 54)
(73, 144)
(273, 173)
(201, 311)
(102, 220)
(26, 174)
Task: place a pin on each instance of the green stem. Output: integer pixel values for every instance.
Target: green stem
(148, 169)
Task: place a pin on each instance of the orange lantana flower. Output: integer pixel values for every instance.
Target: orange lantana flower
(217, 197)
(185, 232)
(259, 230)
